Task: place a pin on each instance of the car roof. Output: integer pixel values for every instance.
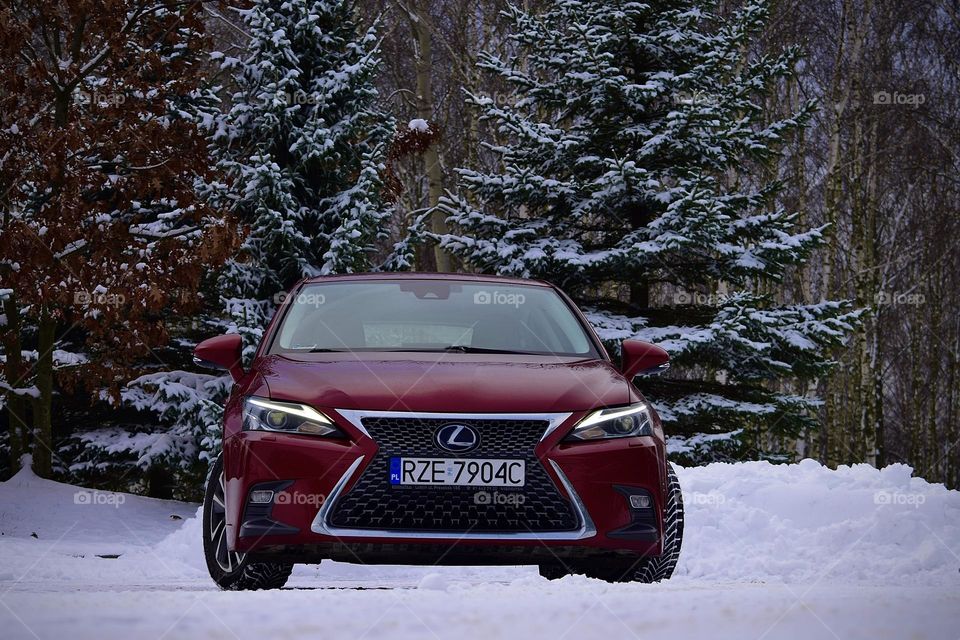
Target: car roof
(418, 275)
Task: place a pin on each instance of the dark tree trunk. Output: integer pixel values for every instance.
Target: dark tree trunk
(43, 405)
(14, 372)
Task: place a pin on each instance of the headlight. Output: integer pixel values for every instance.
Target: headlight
(260, 414)
(619, 422)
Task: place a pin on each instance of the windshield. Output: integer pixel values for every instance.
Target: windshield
(431, 315)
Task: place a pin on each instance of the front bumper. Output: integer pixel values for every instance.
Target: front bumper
(315, 473)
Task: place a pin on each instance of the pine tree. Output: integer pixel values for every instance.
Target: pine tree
(303, 148)
(189, 407)
(632, 170)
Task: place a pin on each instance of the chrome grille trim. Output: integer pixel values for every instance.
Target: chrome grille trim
(355, 417)
(321, 523)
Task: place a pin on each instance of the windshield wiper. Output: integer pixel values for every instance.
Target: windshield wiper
(453, 348)
(462, 348)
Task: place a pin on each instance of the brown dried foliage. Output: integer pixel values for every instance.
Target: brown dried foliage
(89, 155)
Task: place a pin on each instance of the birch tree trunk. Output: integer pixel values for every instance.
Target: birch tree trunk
(847, 64)
(865, 223)
(422, 28)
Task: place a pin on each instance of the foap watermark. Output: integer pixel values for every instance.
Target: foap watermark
(896, 98)
(701, 299)
(502, 99)
(163, 295)
(101, 99)
(294, 98)
(300, 498)
(899, 498)
(98, 297)
(709, 499)
(304, 297)
(499, 498)
(511, 299)
(695, 97)
(93, 497)
(886, 298)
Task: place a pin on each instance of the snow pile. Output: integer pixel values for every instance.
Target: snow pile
(758, 522)
(54, 533)
(33, 507)
(183, 548)
(804, 523)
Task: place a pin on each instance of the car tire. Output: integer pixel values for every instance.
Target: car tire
(232, 570)
(645, 569)
(553, 571)
(651, 568)
(657, 568)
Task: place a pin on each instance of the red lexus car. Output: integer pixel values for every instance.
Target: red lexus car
(438, 419)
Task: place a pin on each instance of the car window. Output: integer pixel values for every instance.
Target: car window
(431, 315)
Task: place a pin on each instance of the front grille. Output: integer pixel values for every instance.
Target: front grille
(374, 503)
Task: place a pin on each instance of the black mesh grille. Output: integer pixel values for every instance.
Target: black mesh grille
(374, 503)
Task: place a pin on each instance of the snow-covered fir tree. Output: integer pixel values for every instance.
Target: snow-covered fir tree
(189, 409)
(303, 149)
(629, 170)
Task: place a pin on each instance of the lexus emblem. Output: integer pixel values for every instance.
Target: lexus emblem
(457, 438)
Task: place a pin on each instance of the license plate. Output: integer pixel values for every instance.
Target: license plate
(458, 472)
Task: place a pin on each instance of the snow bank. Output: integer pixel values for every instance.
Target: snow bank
(804, 523)
(759, 522)
(54, 533)
(34, 507)
(183, 548)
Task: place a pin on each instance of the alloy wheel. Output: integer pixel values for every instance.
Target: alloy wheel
(228, 561)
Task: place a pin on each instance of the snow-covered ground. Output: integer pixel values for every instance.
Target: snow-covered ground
(794, 551)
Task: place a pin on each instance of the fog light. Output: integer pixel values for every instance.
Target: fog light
(262, 496)
(640, 502)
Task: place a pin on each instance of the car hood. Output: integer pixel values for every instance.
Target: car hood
(453, 383)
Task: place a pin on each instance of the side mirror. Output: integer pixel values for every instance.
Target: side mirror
(643, 358)
(222, 352)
